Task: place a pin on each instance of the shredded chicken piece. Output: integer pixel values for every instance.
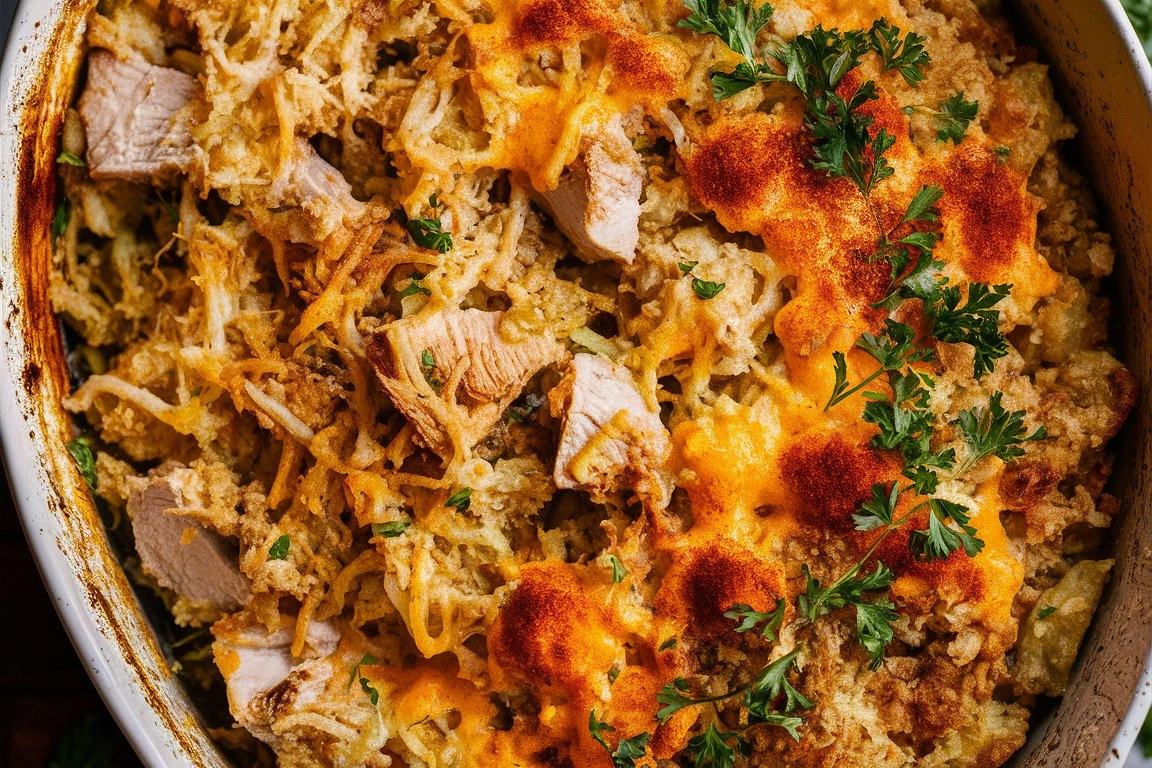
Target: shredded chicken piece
(137, 118)
(179, 552)
(453, 374)
(264, 682)
(597, 202)
(609, 439)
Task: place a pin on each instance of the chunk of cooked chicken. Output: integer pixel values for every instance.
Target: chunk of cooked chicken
(180, 553)
(137, 119)
(453, 374)
(609, 439)
(310, 184)
(264, 682)
(597, 202)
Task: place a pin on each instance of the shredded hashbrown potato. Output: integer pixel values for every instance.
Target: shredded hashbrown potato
(271, 364)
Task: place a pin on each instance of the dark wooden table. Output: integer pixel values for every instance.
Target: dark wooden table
(49, 712)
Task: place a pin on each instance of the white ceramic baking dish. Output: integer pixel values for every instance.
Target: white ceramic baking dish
(1104, 80)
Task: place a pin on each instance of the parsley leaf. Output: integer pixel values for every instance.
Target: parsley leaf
(874, 628)
(939, 540)
(711, 749)
(390, 530)
(279, 548)
(687, 266)
(873, 619)
(67, 158)
(365, 660)
(429, 232)
(60, 218)
(618, 569)
(613, 674)
(816, 64)
(738, 24)
(994, 431)
(706, 289)
(673, 697)
(749, 619)
(915, 250)
(878, 511)
(772, 683)
(668, 645)
(462, 500)
(627, 752)
(414, 286)
(1046, 611)
(975, 323)
(894, 349)
(81, 451)
(373, 694)
(907, 56)
(953, 118)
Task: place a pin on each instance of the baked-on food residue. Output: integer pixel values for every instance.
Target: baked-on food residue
(535, 383)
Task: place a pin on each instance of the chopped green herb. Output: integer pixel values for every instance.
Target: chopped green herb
(687, 266)
(365, 660)
(462, 499)
(706, 289)
(668, 645)
(373, 694)
(414, 286)
(81, 451)
(67, 158)
(627, 752)
(429, 232)
(994, 432)
(953, 118)
(749, 619)
(61, 218)
(618, 570)
(613, 674)
(873, 619)
(710, 749)
(1046, 611)
(279, 548)
(390, 530)
(428, 367)
(1002, 153)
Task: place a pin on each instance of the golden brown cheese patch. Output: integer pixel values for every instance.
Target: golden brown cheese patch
(707, 580)
(831, 477)
(549, 632)
(725, 460)
(989, 218)
(754, 172)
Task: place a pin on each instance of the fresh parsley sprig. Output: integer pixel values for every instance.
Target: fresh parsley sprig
(993, 431)
(977, 322)
(816, 63)
(627, 752)
(748, 619)
(953, 116)
(711, 748)
(894, 349)
(429, 232)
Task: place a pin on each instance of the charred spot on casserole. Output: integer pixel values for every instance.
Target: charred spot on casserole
(592, 383)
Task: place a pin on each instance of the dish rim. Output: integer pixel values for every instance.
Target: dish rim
(34, 27)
